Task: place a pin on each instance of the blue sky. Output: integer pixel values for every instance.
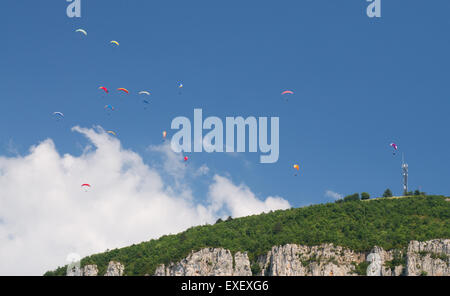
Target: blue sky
(359, 85)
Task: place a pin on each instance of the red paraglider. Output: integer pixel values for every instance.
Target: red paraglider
(104, 88)
(395, 147)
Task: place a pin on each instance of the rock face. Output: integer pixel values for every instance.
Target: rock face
(428, 258)
(114, 269)
(298, 260)
(420, 258)
(90, 270)
(209, 262)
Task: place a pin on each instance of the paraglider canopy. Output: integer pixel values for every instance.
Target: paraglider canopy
(109, 107)
(114, 42)
(81, 31)
(60, 114)
(286, 92)
(297, 167)
(395, 147)
(112, 133)
(86, 187)
(144, 92)
(164, 133)
(123, 89)
(186, 158)
(104, 88)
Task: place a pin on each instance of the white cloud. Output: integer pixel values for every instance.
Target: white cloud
(45, 215)
(240, 200)
(333, 194)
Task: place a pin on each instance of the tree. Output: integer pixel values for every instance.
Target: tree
(387, 193)
(277, 228)
(229, 219)
(419, 193)
(352, 197)
(365, 195)
(219, 221)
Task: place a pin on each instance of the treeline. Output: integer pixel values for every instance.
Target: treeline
(387, 193)
(389, 223)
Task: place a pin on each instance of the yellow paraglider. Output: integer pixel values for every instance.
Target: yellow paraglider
(112, 133)
(297, 167)
(114, 42)
(164, 135)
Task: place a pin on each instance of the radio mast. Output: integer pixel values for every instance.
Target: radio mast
(405, 176)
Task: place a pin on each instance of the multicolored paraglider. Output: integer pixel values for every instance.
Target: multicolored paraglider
(395, 147)
(111, 133)
(109, 109)
(287, 93)
(81, 31)
(114, 42)
(123, 89)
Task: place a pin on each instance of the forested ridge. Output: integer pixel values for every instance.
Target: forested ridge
(358, 225)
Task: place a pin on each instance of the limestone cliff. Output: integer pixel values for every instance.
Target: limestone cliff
(420, 258)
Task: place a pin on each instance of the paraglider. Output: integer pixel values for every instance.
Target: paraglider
(86, 187)
(186, 158)
(123, 89)
(58, 115)
(164, 135)
(81, 31)
(104, 88)
(109, 109)
(146, 103)
(395, 147)
(114, 42)
(144, 92)
(297, 167)
(180, 86)
(111, 133)
(287, 92)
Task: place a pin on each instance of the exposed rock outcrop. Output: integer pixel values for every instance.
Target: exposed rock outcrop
(298, 260)
(420, 258)
(428, 258)
(208, 262)
(114, 269)
(90, 270)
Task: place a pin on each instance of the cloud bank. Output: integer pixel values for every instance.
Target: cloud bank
(333, 194)
(45, 215)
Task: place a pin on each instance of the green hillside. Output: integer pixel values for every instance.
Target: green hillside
(358, 225)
